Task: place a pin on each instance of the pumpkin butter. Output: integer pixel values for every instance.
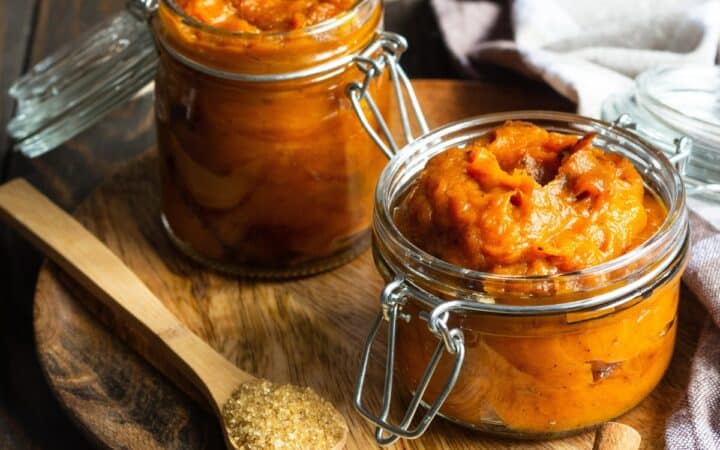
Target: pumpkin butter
(523, 201)
(254, 16)
(265, 171)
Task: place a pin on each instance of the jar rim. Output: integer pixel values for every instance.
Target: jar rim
(675, 221)
(319, 27)
(356, 29)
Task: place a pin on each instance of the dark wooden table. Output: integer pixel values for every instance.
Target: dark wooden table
(30, 417)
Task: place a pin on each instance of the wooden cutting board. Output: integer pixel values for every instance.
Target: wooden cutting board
(307, 331)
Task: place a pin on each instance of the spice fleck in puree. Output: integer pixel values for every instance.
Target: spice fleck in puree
(524, 201)
(268, 174)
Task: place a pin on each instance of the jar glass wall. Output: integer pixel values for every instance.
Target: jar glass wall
(265, 168)
(543, 356)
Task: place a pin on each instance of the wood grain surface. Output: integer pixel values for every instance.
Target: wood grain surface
(32, 29)
(16, 25)
(306, 331)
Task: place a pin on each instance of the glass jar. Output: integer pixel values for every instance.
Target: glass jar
(524, 357)
(265, 169)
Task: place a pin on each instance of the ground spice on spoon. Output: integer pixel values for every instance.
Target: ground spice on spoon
(263, 415)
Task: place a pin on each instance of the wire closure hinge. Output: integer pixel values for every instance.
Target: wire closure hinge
(142, 9)
(683, 147)
(392, 300)
(384, 53)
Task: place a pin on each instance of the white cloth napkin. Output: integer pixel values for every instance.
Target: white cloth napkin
(696, 422)
(587, 50)
(584, 49)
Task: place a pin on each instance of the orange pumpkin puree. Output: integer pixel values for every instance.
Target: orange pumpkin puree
(265, 174)
(525, 201)
(263, 15)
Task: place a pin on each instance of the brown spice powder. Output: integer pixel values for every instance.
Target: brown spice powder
(263, 415)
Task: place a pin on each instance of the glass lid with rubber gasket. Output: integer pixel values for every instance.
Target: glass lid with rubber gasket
(678, 110)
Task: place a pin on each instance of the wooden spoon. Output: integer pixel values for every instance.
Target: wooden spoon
(106, 277)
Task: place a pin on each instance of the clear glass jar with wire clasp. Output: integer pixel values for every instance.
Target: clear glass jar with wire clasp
(265, 169)
(525, 357)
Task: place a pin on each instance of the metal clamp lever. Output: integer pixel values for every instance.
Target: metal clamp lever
(392, 299)
(372, 65)
(142, 9)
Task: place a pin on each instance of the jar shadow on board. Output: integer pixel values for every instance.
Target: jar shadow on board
(265, 169)
(528, 357)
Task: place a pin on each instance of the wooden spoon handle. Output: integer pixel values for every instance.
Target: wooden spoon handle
(616, 436)
(105, 276)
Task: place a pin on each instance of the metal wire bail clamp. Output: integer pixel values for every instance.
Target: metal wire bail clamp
(385, 53)
(392, 299)
(142, 9)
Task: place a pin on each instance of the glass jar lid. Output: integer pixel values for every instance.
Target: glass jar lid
(73, 88)
(667, 104)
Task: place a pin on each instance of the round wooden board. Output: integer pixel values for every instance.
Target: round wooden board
(307, 331)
